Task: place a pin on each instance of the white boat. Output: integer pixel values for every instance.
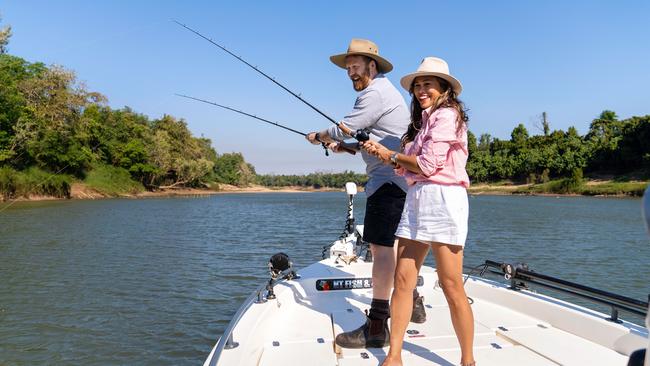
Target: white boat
(294, 319)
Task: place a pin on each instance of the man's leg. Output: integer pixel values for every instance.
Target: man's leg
(383, 272)
(383, 212)
(374, 333)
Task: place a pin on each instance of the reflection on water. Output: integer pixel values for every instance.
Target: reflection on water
(157, 280)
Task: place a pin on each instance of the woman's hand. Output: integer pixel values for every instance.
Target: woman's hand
(378, 150)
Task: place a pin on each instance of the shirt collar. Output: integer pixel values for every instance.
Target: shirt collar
(426, 113)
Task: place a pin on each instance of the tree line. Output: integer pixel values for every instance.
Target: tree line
(315, 180)
(611, 146)
(54, 131)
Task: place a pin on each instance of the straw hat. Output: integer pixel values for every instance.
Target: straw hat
(363, 47)
(435, 67)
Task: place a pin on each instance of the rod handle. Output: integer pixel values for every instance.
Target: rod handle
(349, 147)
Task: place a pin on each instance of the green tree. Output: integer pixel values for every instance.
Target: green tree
(519, 137)
(231, 168)
(603, 136)
(13, 106)
(5, 34)
(485, 140)
(54, 104)
(179, 156)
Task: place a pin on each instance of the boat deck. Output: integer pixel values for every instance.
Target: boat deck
(299, 327)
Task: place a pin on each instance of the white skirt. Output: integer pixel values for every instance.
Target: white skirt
(435, 213)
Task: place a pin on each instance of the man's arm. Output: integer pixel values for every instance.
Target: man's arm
(323, 138)
(366, 112)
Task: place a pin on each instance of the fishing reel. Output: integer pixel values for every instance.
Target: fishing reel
(511, 273)
(361, 135)
(280, 268)
(510, 270)
(279, 263)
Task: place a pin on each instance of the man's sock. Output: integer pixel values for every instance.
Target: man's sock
(379, 309)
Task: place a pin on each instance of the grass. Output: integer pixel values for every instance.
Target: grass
(616, 188)
(112, 181)
(610, 188)
(33, 181)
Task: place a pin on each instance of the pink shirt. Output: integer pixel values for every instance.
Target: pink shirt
(440, 152)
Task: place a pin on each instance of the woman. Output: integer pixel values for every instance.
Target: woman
(436, 211)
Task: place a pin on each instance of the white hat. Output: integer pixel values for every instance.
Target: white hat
(432, 66)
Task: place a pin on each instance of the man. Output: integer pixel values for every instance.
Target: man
(381, 110)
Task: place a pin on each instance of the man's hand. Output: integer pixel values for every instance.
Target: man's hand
(313, 138)
(335, 147)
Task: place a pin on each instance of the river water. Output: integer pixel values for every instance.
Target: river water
(156, 281)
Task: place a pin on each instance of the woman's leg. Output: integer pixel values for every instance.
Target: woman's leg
(410, 256)
(449, 265)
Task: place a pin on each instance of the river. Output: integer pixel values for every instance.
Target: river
(156, 281)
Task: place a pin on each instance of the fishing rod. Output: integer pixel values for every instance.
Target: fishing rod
(360, 135)
(345, 147)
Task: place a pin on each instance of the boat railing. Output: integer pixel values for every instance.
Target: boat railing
(520, 276)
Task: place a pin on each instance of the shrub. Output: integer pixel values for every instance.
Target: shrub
(111, 180)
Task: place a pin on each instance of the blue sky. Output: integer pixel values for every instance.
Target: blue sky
(516, 59)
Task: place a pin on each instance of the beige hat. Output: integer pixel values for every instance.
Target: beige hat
(363, 47)
(432, 66)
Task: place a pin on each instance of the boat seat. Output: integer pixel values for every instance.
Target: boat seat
(560, 346)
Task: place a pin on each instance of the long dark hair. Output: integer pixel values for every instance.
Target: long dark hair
(448, 99)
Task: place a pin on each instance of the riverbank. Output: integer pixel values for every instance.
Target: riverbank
(608, 188)
(81, 191)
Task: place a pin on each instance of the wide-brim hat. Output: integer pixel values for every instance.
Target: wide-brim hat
(432, 66)
(363, 47)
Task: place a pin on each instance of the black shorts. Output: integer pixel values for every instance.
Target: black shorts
(383, 212)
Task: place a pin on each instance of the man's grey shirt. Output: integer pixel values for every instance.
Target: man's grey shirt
(380, 109)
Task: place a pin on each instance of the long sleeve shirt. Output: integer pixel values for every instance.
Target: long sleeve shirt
(380, 109)
(440, 150)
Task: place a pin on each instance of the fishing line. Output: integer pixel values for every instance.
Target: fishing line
(360, 135)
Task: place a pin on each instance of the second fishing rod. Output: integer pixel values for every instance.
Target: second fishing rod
(343, 147)
(360, 135)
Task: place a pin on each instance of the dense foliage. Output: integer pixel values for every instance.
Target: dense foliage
(316, 180)
(610, 147)
(50, 125)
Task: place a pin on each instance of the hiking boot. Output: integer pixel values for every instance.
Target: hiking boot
(373, 334)
(418, 315)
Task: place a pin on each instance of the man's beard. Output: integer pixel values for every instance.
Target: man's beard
(362, 82)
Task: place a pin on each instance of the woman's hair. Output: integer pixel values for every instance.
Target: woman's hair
(447, 99)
